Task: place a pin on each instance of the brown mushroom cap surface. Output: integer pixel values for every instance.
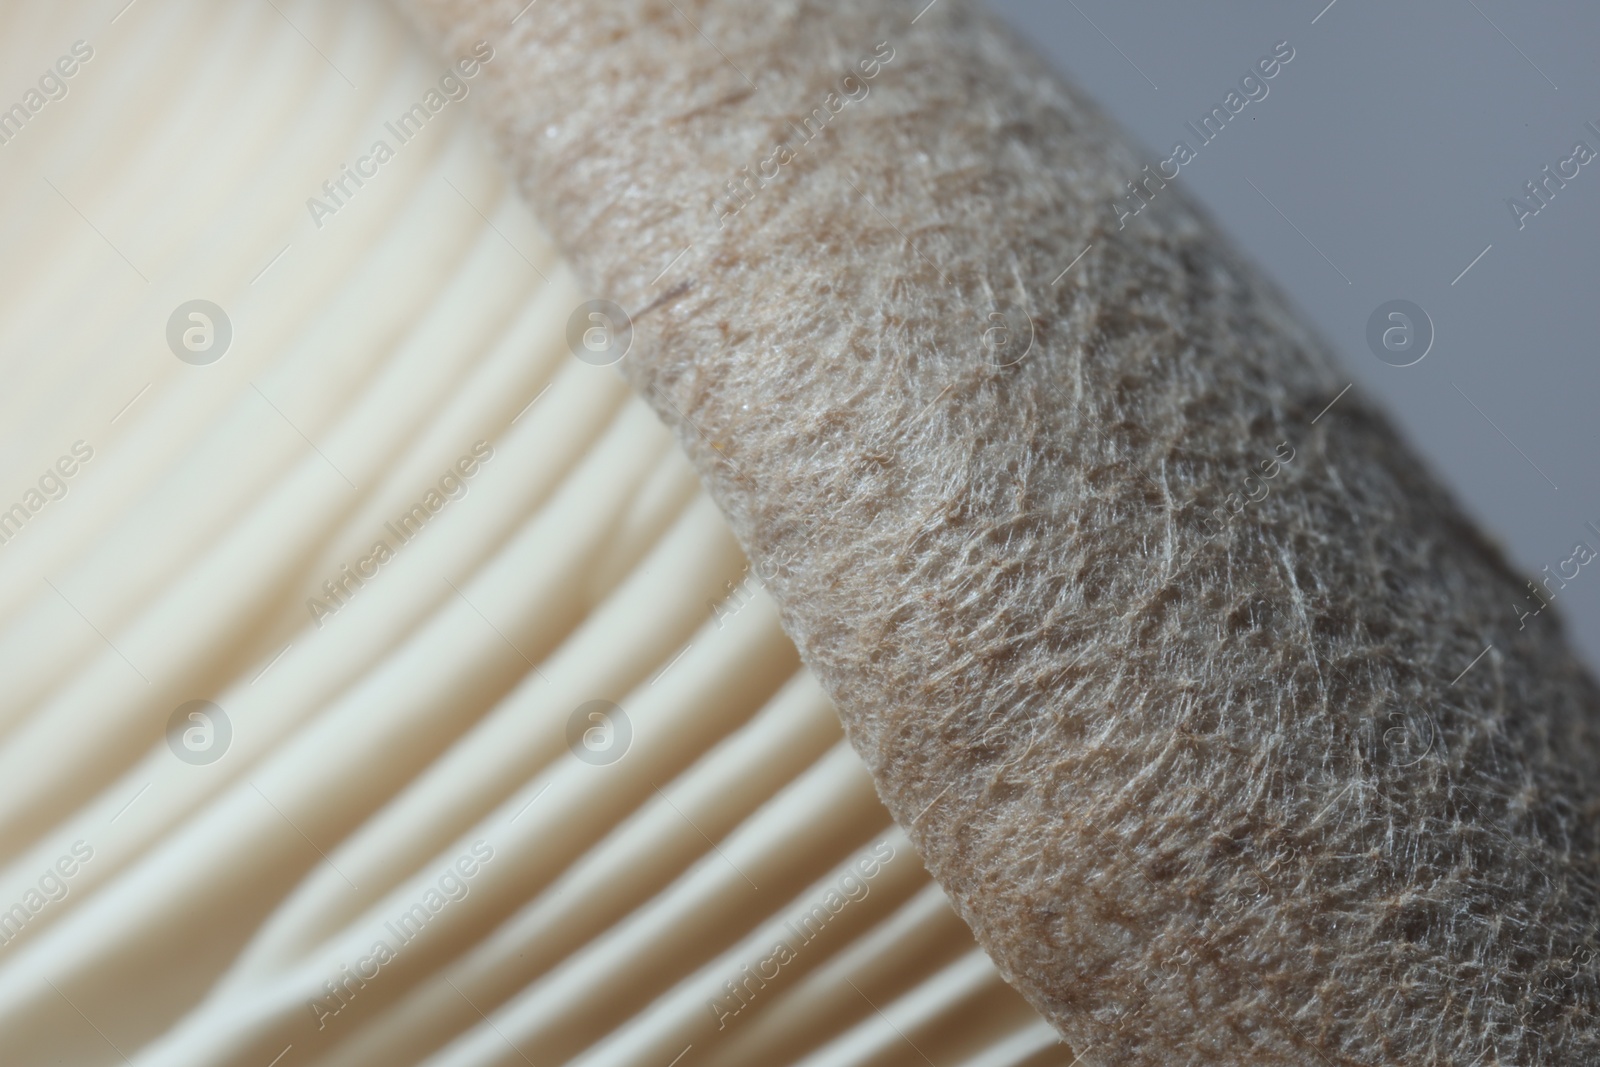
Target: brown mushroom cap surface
(1198, 763)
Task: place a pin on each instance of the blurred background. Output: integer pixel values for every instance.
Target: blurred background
(1378, 168)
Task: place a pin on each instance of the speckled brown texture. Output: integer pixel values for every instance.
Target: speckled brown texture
(1204, 799)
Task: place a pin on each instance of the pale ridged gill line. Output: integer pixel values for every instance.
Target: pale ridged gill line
(377, 737)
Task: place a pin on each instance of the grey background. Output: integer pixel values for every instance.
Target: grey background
(1392, 141)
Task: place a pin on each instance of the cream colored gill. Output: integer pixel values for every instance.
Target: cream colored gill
(384, 735)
